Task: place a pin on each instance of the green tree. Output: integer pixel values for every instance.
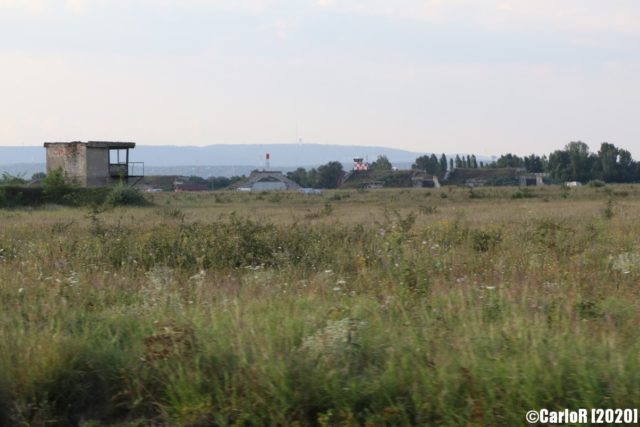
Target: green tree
(560, 165)
(54, 186)
(580, 160)
(509, 161)
(312, 178)
(429, 164)
(626, 166)
(535, 163)
(381, 163)
(613, 164)
(300, 177)
(443, 164)
(329, 175)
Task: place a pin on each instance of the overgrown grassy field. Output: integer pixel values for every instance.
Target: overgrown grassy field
(384, 307)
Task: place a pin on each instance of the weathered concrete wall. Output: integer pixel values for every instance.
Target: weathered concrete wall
(71, 158)
(98, 167)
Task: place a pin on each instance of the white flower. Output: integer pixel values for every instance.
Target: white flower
(626, 262)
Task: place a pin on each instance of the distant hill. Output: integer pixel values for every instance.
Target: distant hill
(221, 159)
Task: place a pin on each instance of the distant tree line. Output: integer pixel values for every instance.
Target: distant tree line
(575, 162)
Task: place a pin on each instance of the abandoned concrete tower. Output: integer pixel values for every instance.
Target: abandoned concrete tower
(94, 163)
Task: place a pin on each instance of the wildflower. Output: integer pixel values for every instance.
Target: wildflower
(198, 278)
(626, 262)
(335, 340)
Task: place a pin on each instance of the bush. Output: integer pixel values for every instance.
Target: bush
(122, 195)
(17, 195)
(485, 240)
(596, 183)
(523, 193)
(54, 186)
(85, 196)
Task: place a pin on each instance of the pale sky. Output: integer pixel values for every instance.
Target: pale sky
(480, 76)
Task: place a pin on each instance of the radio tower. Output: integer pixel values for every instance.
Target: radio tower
(267, 163)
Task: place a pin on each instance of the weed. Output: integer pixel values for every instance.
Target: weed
(428, 210)
(123, 195)
(523, 193)
(485, 240)
(609, 210)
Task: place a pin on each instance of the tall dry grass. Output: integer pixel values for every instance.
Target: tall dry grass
(384, 308)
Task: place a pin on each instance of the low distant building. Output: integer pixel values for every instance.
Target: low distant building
(266, 181)
(372, 185)
(424, 180)
(532, 179)
(573, 184)
(94, 163)
(476, 177)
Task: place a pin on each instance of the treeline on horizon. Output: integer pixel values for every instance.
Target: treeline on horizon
(575, 162)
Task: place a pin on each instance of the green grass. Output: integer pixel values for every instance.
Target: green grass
(387, 308)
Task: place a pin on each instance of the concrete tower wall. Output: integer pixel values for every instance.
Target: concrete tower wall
(97, 167)
(71, 158)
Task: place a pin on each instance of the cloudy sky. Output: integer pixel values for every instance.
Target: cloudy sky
(481, 76)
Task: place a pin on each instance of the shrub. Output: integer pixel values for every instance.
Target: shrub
(523, 193)
(485, 240)
(608, 211)
(17, 195)
(85, 196)
(54, 186)
(596, 183)
(122, 195)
